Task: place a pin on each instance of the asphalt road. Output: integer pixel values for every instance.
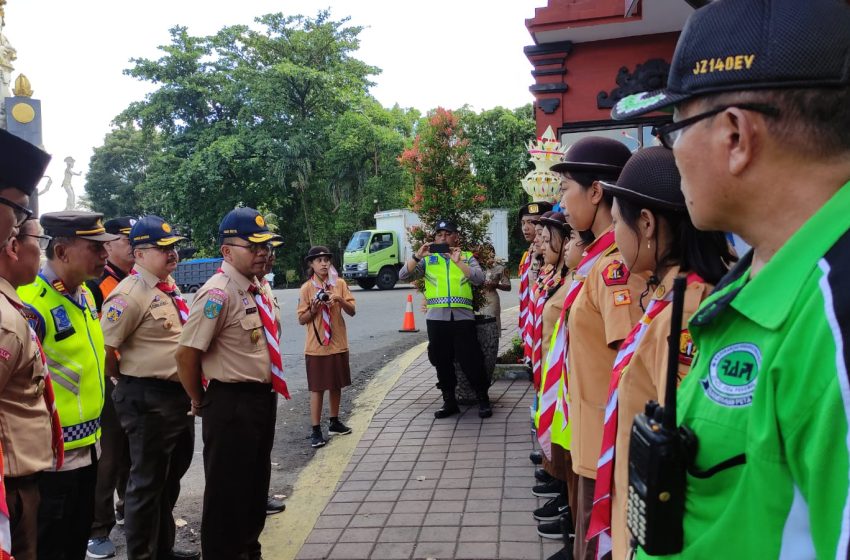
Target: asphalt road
(374, 341)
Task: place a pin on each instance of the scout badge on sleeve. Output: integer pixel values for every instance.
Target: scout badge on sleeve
(215, 301)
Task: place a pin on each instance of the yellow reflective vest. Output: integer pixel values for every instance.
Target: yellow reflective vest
(73, 343)
(445, 283)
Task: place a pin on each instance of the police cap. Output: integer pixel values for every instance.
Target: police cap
(119, 226)
(76, 223)
(445, 225)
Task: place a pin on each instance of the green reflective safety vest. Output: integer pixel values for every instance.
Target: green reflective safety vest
(73, 345)
(561, 428)
(445, 283)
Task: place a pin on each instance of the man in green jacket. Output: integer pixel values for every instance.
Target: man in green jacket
(64, 316)
(761, 100)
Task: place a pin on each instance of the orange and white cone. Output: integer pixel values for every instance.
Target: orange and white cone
(409, 324)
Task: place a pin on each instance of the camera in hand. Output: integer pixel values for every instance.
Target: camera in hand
(323, 296)
(439, 248)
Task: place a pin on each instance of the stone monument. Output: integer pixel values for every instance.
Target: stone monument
(8, 54)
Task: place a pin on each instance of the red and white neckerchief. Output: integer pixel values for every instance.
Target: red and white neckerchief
(5, 526)
(600, 515)
(326, 311)
(266, 310)
(57, 441)
(543, 289)
(553, 393)
(524, 297)
(171, 291)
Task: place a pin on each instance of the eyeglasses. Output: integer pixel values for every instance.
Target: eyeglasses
(253, 247)
(43, 240)
(669, 134)
(21, 214)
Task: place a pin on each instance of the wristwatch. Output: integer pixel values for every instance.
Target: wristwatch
(417, 259)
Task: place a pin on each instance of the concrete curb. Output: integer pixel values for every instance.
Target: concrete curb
(285, 533)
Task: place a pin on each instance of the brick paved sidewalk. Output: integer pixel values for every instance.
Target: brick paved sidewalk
(422, 488)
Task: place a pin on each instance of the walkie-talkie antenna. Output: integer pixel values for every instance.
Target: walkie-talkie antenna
(679, 287)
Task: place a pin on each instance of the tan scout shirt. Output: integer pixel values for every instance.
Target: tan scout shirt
(143, 323)
(646, 379)
(339, 336)
(24, 420)
(602, 315)
(225, 324)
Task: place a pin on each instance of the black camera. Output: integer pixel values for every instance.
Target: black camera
(323, 296)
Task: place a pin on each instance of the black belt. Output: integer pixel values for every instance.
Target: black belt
(153, 383)
(240, 387)
(21, 480)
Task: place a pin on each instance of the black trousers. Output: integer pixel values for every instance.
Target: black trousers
(238, 430)
(456, 340)
(112, 469)
(65, 512)
(161, 438)
(22, 499)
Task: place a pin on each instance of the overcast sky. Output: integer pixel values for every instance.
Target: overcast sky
(439, 52)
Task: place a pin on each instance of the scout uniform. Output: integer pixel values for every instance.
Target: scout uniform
(25, 422)
(601, 316)
(768, 396)
(527, 274)
(66, 322)
(239, 407)
(451, 323)
(114, 465)
(142, 320)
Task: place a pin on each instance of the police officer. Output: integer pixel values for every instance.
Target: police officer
(65, 319)
(114, 465)
(25, 403)
(21, 168)
(233, 338)
(449, 278)
(761, 136)
(142, 321)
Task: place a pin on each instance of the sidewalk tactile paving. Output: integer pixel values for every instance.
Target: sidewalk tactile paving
(420, 488)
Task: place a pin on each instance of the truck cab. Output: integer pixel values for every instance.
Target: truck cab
(372, 257)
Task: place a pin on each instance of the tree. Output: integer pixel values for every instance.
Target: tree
(444, 186)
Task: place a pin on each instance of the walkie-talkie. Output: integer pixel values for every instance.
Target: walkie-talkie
(658, 458)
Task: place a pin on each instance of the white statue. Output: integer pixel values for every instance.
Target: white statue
(71, 200)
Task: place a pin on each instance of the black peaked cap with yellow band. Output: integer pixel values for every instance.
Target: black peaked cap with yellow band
(22, 165)
(153, 230)
(534, 209)
(245, 223)
(119, 226)
(736, 45)
(76, 223)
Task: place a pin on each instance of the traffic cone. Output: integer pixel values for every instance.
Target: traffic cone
(409, 324)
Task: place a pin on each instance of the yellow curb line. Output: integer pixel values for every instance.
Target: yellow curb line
(285, 533)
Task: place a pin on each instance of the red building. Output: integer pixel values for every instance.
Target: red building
(588, 54)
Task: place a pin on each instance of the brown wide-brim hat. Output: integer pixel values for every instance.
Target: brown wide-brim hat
(555, 219)
(316, 252)
(536, 221)
(650, 179)
(594, 153)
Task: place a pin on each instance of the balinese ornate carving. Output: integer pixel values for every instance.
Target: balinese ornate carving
(650, 75)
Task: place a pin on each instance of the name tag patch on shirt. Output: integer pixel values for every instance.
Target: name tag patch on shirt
(215, 301)
(5, 354)
(732, 375)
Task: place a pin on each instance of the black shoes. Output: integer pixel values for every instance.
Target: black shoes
(542, 476)
(449, 408)
(484, 410)
(317, 440)
(183, 554)
(550, 489)
(337, 428)
(552, 510)
(536, 457)
(550, 530)
(273, 506)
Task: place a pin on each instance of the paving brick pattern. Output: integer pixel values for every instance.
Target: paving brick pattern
(420, 488)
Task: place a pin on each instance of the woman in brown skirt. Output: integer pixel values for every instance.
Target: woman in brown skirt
(324, 296)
